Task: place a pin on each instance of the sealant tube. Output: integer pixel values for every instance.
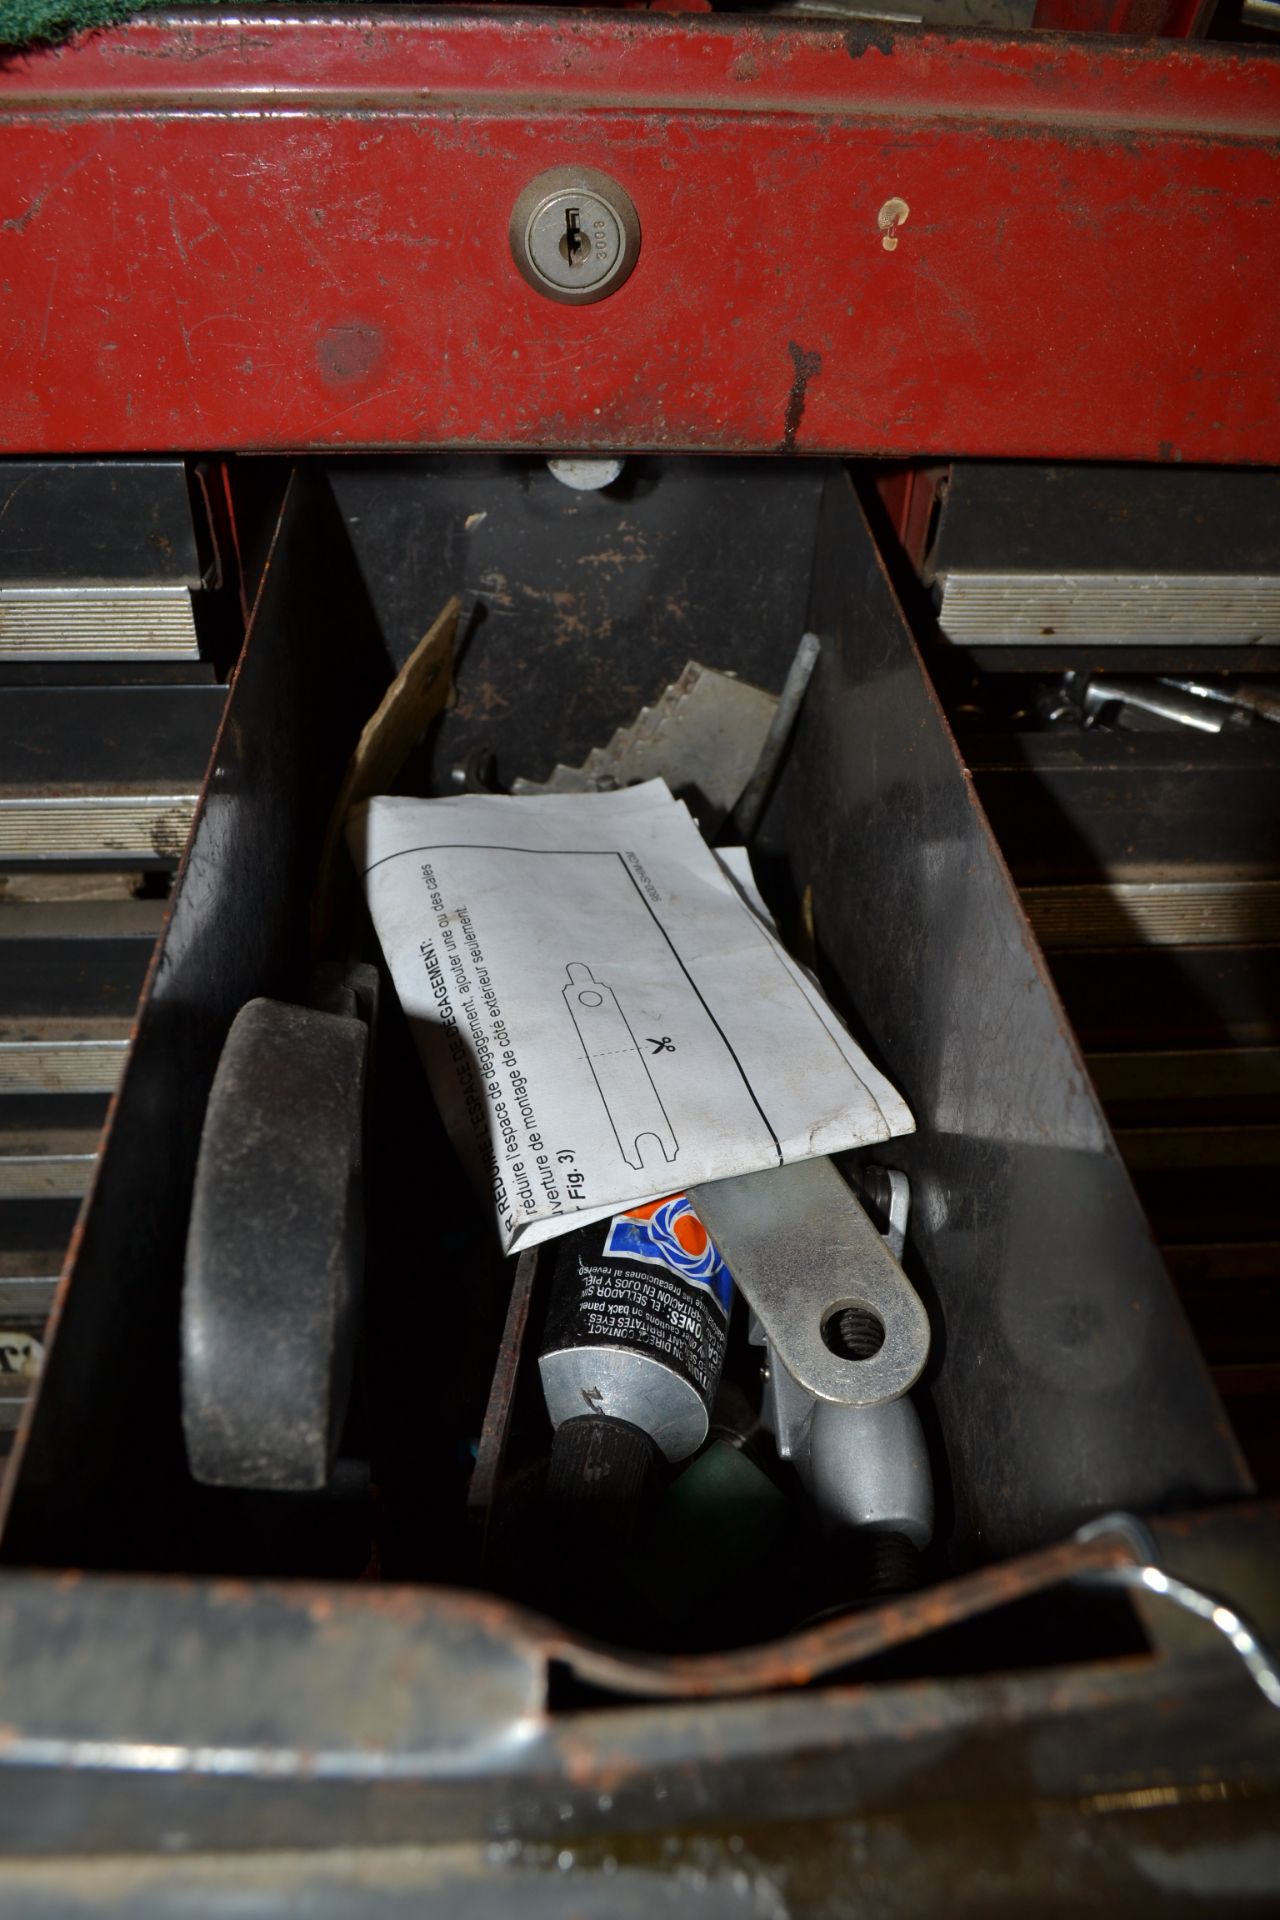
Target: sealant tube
(635, 1337)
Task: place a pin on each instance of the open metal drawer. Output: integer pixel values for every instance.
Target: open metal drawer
(215, 1678)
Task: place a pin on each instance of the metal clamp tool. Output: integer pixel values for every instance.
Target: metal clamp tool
(864, 1462)
(802, 1250)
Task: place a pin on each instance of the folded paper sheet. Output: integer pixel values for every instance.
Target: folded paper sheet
(602, 1016)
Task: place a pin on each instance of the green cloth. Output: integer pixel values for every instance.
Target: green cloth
(28, 23)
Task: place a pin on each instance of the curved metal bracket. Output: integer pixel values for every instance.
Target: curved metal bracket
(800, 1247)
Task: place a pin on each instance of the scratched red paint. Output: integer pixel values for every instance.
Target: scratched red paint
(293, 233)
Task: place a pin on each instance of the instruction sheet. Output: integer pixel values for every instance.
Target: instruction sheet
(603, 1017)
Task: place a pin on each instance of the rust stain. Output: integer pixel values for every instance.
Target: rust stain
(585, 1765)
(807, 367)
(817, 1652)
(870, 38)
(231, 1593)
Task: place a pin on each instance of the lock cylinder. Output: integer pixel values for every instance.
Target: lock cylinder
(575, 235)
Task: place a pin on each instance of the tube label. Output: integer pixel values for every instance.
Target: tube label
(668, 1233)
(650, 1281)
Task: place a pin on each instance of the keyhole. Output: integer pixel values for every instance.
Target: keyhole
(574, 245)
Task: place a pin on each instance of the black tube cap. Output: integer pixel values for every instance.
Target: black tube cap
(600, 1463)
